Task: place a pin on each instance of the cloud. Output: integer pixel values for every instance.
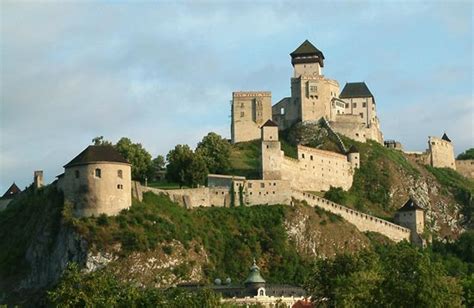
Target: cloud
(163, 73)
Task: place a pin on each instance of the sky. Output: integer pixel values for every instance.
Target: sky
(162, 73)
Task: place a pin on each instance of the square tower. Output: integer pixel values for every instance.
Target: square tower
(441, 152)
(250, 110)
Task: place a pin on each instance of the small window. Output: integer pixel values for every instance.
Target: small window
(120, 174)
(311, 157)
(76, 173)
(364, 104)
(98, 173)
(250, 185)
(347, 105)
(262, 185)
(242, 114)
(302, 155)
(282, 111)
(361, 115)
(354, 105)
(119, 186)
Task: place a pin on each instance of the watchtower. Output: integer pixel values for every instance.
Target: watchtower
(272, 155)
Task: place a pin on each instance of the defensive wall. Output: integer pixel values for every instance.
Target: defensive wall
(465, 167)
(317, 170)
(361, 221)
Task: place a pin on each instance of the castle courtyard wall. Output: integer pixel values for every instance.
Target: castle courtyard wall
(465, 167)
(317, 170)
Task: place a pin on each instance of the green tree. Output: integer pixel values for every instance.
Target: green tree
(468, 154)
(216, 153)
(345, 281)
(157, 165)
(185, 167)
(99, 140)
(137, 156)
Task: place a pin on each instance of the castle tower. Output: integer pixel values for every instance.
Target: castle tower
(441, 152)
(311, 92)
(249, 111)
(353, 156)
(272, 155)
(97, 181)
(38, 179)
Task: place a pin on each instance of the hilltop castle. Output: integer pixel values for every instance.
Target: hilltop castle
(351, 112)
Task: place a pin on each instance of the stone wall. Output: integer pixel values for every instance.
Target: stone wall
(195, 197)
(353, 126)
(267, 192)
(91, 193)
(413, 221)
(317, 170)
(465, 167)
(250, 110)
(441, 153)
(361, 221)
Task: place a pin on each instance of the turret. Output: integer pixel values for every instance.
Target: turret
(272, 155)
(254, 280)
(353, 156)
(411, 216)
(307, 60)
(38, 179)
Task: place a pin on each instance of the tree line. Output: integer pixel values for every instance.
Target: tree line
(183, 165)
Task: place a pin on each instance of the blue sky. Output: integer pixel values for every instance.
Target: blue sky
(162, 73)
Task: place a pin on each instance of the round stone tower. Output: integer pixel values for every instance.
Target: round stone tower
(97, 181)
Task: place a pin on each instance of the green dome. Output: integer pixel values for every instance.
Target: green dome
(254, 276)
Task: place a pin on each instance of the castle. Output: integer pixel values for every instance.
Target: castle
(98, 180)
(351, 112)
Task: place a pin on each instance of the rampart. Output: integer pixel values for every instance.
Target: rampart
(465, 167)
(317, 170)
(361, 221)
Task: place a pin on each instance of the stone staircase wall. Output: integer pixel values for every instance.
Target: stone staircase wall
(361, 221)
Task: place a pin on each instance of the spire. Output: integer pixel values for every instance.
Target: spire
(254, 276)
(445, 137)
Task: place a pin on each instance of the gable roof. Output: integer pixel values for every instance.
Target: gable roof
(355, 89)
(11, 192)
(270, 123)
(410, 205)
(445, 137)
(306, 49)
(96, 153)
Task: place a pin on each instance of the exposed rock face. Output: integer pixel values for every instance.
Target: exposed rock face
(320, 234)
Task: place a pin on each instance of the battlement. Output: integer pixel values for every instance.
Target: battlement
(252, 94)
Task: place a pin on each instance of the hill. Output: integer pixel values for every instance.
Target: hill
(158, 243)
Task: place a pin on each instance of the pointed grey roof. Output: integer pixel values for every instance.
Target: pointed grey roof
(445, 137)
(96, 153)
(270, 123)
(307, 53)
(355, 89)
(410, 205)
(11, 192)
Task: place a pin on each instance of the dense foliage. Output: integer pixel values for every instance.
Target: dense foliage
(468, 154)
(216, 152)
(135, 153)
(185, 167)
(391, 276)
(103, 289)
(33, 212)
(231, 237)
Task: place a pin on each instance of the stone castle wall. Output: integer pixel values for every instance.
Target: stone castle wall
(441, 153)
(361, 221)
(465, 167)
(250, 110)
(317, 170)
(93, 195)
(267, 192)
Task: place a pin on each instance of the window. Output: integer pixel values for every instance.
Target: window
(311, 157)
(250, 185)
(119, 186)
(361, 115)
(98, 173)
(302, 155)
(364, 104)
(76, 173)
(354, 105)
(242, 114)
(120, 174)
(282, 111)
(262, 185)
(347, 105)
